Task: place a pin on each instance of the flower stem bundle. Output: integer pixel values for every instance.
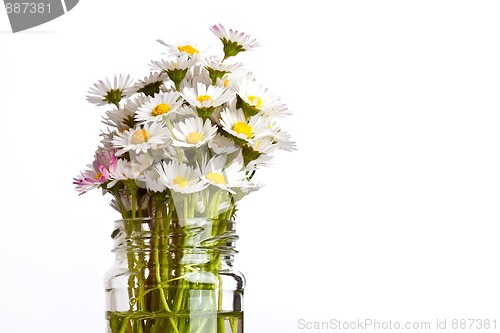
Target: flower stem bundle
(181, 149)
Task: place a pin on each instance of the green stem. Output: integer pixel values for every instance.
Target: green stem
(186, 207)
(234, 324)
(124, 325)
(158, 265)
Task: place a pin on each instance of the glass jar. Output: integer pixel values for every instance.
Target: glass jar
(174, 276)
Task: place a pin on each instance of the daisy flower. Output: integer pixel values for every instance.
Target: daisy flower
(181, 48)
(175, 69)
(151, 84)
(234, 122)
(222, 145)
(153, 182)
(264, 145)
(141, 139)
(180, 178)
(107, 92)
(98, 172)
(218, 69)
(155, 108)
(206, 98)
(216, 173)
(186, 111)
(238, 76)
(196, 74)
(126, 170)
(192, 132)
(181, 62)
(148, 159)
(123, 118)
(254, 98)
(258, 153)
(234, 41)
(283, 140)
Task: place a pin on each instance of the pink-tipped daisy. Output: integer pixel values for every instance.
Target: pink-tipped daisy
(234, 41)
(98, 172)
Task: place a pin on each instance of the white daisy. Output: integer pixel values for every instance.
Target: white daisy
(254, 98)
(264, 145)
(181, 62)
(222, 145)
(175, 69)
(180, 49)
(186, 111)
(155, 108)
(151, 84)
(153, 182)
(149, 158)
(123, 118)
(132, 105)
(192, 132)
(141, 139)
(235, 123)
(216, 173)
(107, 92)
(238, 76)
(258, 153)
(217, 69)
(234, 41)
(283, 140)
(180, 178)
(195, 75)
(125, 170)
(206, 98)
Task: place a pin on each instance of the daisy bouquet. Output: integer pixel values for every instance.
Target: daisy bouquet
(181, 145)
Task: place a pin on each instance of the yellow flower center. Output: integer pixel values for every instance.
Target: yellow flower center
(194, 137)
(217, 178)
(257, 101)
(98, 175)
(188, 49)
(225, 83)
(140, 136)
(203, 98)
(160, 109)
(243, 128)
(180, 181)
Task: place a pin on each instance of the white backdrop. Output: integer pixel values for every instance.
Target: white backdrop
(389, 210)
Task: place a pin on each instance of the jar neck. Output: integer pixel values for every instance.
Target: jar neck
(191, 241)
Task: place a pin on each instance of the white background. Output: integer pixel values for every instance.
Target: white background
(389, 209)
